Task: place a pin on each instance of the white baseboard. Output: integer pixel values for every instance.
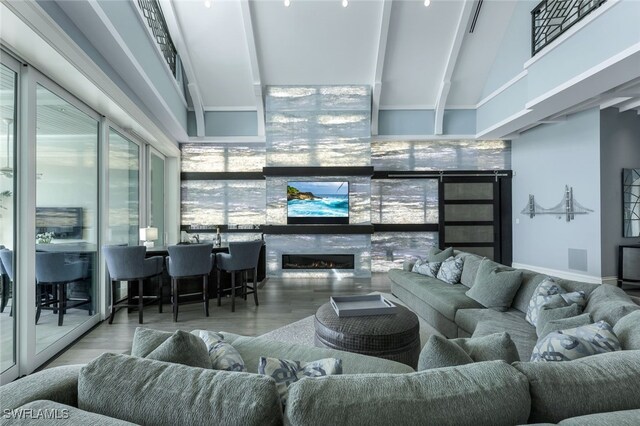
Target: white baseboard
(567, 275)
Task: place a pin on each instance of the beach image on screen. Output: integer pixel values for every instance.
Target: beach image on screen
(318, 199)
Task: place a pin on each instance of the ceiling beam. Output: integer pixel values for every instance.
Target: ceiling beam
(613, 102)
(454, 52)
(183, 51)
(380, 54)
(255, 66)
(632, 104)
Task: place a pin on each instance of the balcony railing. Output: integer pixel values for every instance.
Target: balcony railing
(551, 18)
(155, 19)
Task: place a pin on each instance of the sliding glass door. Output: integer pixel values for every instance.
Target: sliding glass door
(156, 195)
(124, 190)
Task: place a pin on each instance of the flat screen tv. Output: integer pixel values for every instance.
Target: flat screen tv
(318, 202)
(64, 222)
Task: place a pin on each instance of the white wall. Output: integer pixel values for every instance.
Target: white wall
(544, 160)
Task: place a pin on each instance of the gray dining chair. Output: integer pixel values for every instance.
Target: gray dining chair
(128, 263)
(242, 258)
(189, 261)
(57, 271)
(7, 277)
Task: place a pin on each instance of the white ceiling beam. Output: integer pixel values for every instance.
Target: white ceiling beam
(183, 51)
(613, 102)
(632, 104)
(380, 54)
(255, 66)
(454, 52)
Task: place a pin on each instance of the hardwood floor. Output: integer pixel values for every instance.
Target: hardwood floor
(282, 301)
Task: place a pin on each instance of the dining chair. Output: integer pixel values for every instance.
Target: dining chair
(242, 258)
(7, 278)
(189, 261)
(128, 263)
(56, 270)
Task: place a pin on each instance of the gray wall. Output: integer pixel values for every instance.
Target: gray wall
(619, 149)
(544, 160)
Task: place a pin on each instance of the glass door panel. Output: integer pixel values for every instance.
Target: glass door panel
(8, 311)
(124, 190)
(66, 217)
(156, 189)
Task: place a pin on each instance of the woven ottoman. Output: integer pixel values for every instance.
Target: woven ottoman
(395, 337)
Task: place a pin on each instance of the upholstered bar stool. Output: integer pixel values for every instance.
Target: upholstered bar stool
(190, 261)
(129, 264)
(242, 257)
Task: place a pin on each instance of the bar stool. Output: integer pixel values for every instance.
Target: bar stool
(129, 264)
(242, 257)
(189, 261)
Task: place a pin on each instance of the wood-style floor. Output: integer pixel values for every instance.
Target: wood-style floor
(282, 301)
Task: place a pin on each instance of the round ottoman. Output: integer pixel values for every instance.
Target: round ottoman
(395, 337)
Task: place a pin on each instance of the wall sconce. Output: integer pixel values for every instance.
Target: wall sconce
(148, 235)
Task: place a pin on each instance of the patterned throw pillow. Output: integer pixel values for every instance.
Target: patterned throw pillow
(429, 269)
(451, 270)
(286, 372)
(549, 295)
(575, 343)
(222, 354)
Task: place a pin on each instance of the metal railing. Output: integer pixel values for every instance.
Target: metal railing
(551, 18)
(155, 19)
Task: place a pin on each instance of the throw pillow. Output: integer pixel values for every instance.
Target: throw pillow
(628, 330)
(286, 372)
(437, 255)
(223, 355)
(145, 340)
(566, 323)
(546, 315)
(495, 286)
(451, 270)
(575, 343)
(609, 303)
(182, 348)
(440, 352)
(541, 294)
(429, 269)
(493, 347)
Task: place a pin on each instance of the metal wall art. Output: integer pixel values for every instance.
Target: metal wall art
(569, 207)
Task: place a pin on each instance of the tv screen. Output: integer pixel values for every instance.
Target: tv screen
(64, 222)
(318, 202)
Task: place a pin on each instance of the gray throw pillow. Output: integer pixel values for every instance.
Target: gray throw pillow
(437, 255)
(546, 315)
(439, 352)
(145, 340)
(495, 286)
(628, 331)
(451, 270)
(223, 355)
(576, 343)
(609, 303)
(493, 347)
(564, 324)
(182, 348)
(430, 269)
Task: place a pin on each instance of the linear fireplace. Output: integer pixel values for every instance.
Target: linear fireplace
(318, 261)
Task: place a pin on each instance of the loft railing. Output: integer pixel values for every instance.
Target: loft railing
(551, 18)
(155, 19)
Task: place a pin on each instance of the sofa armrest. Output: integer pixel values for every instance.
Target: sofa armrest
(59, 384)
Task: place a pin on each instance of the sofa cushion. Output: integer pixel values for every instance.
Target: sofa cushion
(182, 348)
(578, 342)
(439, 352)
(436, 255)
(145, 391)
(595, 384)
(495, 286)
(609, 303)
(628, 330)
(563, 312)
(530, 281)
(430, 269)
(444, 298)
(470, 268)
(616, 418)
(145, 340)
(65, 416)
(489, 393)
(492, 347)
(564, 324)
(286, 372)
(252, 348)
(223, 355)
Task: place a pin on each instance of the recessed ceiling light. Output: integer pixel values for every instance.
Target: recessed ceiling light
(427, 3)
(287, 3)
(207, 4)
(345, 3)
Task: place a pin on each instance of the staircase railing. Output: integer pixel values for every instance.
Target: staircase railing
(153, 14)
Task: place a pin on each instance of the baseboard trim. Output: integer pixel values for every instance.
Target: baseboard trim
(566, 274)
